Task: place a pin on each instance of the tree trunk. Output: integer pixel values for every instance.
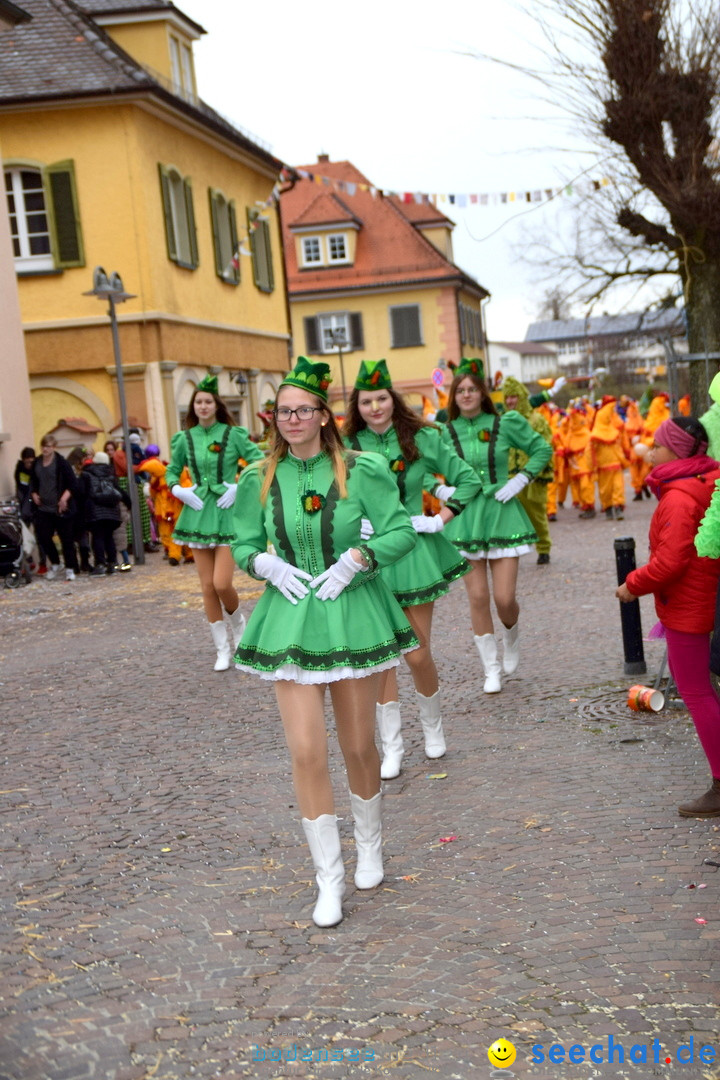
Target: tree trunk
(703, 311)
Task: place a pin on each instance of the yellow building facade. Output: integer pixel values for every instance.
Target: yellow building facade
(148, 182)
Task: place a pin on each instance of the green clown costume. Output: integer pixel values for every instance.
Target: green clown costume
(534, 496)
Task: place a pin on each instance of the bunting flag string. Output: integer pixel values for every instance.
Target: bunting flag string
(461, 200)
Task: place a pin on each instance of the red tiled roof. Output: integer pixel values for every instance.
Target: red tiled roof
(421, 213)
(325, 209)
(78, 423)
(389, 249)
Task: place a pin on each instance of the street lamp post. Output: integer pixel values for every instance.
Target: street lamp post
(337, 340)
(111, 289)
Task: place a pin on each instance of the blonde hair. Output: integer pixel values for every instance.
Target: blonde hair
(330, 442)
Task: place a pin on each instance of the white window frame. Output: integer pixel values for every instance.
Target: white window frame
(346, 254)
(25, 261)
(306, 240)
(186, 67)
(335, 320)
(175, 62)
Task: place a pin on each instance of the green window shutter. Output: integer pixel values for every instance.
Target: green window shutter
(167, 214)
(232, 221)
(356, 330)
(192, 231)
(311, 335)
(259, 233)
(215, 219)
(65, 215)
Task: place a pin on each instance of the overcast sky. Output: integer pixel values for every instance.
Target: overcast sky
(385, 85)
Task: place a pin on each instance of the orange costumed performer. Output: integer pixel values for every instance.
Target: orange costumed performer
(166, 507)
(576, 451)
(609, 450)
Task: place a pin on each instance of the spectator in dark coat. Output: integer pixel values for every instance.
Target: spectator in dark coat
(52, 488)
(103, 495)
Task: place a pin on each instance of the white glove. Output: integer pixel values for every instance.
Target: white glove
(557, 386)
(146, 489)
(423, 524)
(286, 578)
(187, 495)
(366, 529)
(333, 581)
(443, 492)
(513, 486)
(227, 498)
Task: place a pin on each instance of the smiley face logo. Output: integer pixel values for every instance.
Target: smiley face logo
(501, 1053)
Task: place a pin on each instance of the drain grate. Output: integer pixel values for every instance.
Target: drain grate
(609, 705)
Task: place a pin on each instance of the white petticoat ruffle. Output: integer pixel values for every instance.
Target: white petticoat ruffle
(191, 544)
(497, 553)
(293, 673)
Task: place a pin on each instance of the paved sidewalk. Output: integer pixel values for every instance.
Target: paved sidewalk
(156, 890)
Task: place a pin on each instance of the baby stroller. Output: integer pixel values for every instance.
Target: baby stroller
(13, 564)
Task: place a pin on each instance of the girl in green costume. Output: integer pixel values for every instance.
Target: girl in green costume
(379, 420)
(211, 448)
(494, 528)
(326, 616)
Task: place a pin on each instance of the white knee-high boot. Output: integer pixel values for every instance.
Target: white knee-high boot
(237, 625)
(487, 648)
(368, 840)
(511, 652)
(431, 724)
(389, 723)
(221, 643)
(323, 840)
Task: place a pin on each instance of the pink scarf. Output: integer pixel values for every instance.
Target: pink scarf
(682, 469)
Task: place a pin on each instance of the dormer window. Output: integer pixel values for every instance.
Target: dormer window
(312, 251)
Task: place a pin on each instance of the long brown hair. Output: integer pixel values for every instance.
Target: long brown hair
(330, 442)
(405, 420)
(222, 416)
(487, 405)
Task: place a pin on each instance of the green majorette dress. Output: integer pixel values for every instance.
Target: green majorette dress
(489, 529)
(212, 456)
(427, 571)
(318, 641)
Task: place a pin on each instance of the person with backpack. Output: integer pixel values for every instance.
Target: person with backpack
(102, 495)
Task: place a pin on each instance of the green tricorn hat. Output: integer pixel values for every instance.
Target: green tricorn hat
(470, 367)
(373, 375)
(315, 378)
(209, 384)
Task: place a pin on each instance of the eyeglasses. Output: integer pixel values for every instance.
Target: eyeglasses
(305, 412)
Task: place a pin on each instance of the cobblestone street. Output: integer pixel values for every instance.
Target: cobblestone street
(157, 889)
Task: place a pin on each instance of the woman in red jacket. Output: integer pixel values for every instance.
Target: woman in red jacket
(683, 584)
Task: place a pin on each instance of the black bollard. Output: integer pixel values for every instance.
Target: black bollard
(629, 613)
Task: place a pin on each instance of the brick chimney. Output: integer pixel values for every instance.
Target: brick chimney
(323, 159)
